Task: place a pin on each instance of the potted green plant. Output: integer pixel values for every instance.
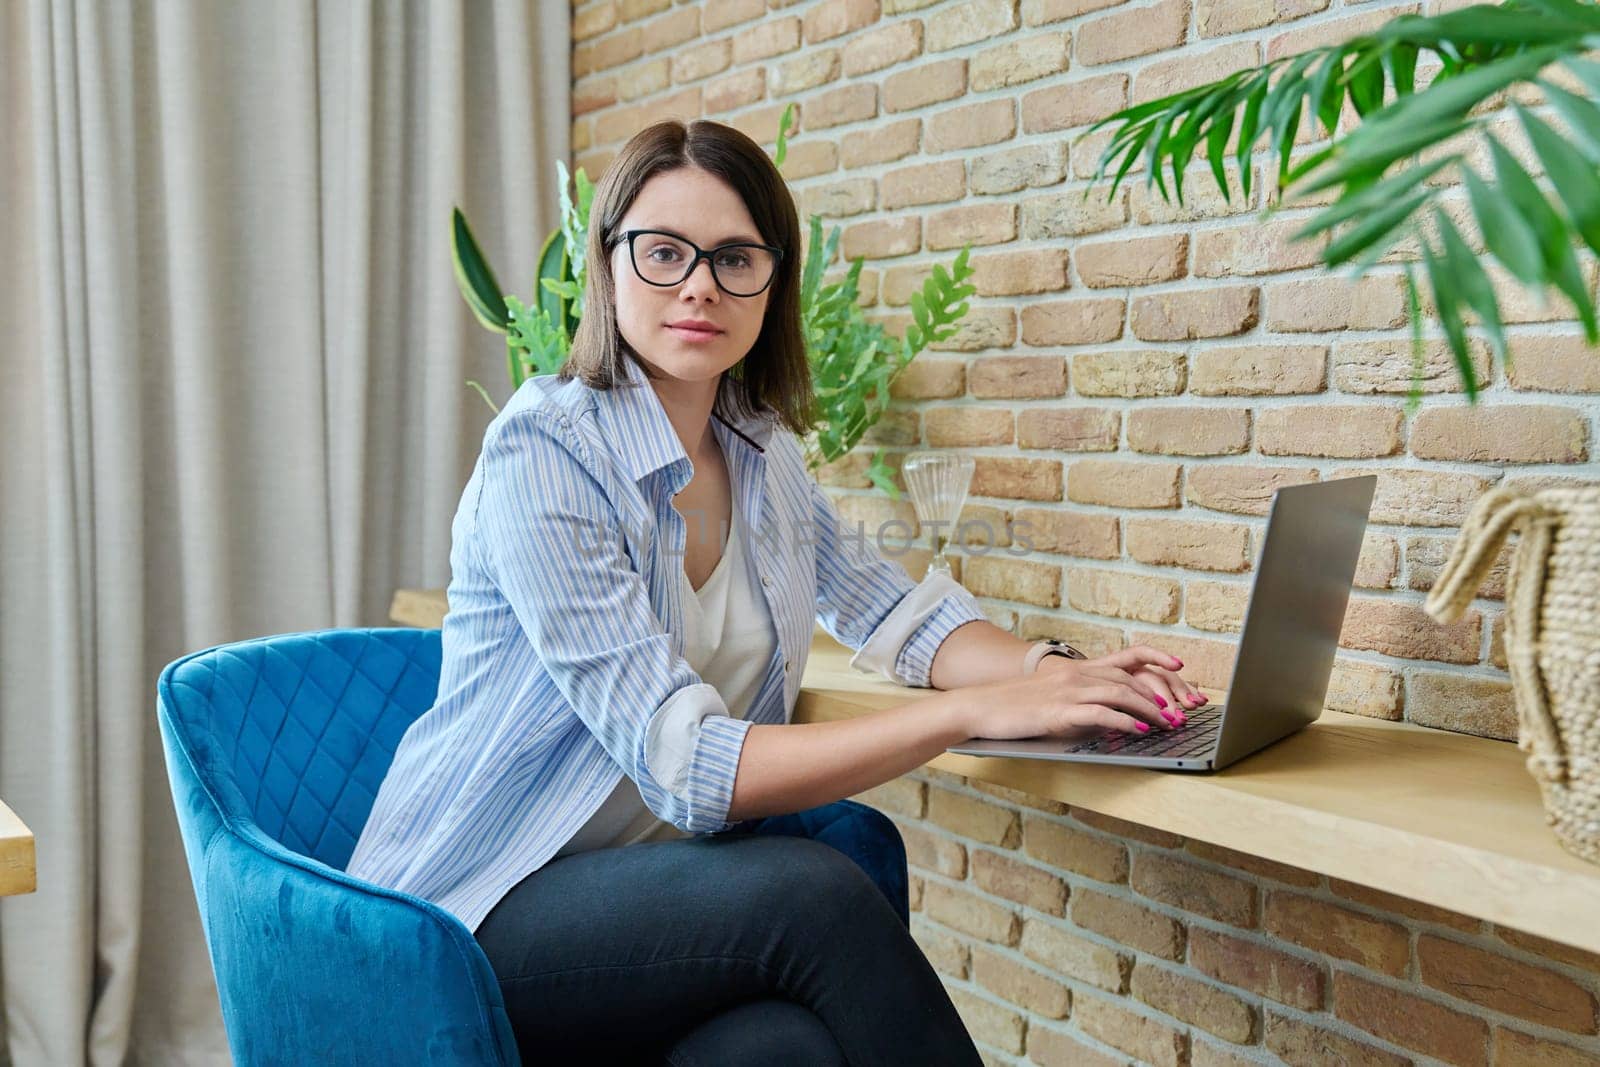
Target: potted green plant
(853, 360)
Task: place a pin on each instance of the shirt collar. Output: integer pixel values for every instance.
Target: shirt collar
(638, 427)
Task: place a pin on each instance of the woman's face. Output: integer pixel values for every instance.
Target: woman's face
(701, 207)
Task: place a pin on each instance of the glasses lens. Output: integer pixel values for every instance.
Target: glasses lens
(743, 270)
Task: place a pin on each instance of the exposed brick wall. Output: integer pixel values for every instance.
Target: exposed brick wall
(1070, 938)
(1135, 378)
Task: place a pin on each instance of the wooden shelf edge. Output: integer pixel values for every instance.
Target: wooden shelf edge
(18, 864)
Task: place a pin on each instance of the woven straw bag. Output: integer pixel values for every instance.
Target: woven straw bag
(1552, 639)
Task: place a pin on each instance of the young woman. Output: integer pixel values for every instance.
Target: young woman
(608, 791)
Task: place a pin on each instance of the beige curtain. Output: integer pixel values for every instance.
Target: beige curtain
(233, 404)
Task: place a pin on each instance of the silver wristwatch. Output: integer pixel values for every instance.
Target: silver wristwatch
(1048, 647)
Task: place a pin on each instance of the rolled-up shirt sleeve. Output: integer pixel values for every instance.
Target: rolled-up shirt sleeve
(868, 602)
(550, 540)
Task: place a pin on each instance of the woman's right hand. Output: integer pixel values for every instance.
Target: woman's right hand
(1065, 704)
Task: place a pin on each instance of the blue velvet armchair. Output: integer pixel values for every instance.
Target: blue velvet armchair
(275, 748)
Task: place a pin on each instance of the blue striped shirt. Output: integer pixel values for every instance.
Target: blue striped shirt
(563, 662)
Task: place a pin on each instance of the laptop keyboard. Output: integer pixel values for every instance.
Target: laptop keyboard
(1196, 736)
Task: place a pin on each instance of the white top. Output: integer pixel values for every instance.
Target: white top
(729, 640)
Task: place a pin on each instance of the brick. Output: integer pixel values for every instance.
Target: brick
(1202, 199)
(1553, 363)
(967, 425)
(972, 126)
(898, 796)
(946, 951)
(1021, 799)
(1407, 497)
(1129, 373)
(1399, 629)
(1121, 828)
(1326, 304)
(1071, 215)
(882, 47)
(929, 379)
(974, 818)
(1076, 103)
(1123, 484)
(1018, 62)
(1339, 30)
(1410, 1021)
(1189, 71)
(1218, 18)
(1136, 261)
(805, 71)
(1055, 1048)
(1213, 1010)
(971, 915)
(1379, 563)
(1411, 909)
(810, 158)
(774, 37)
(1216, 606)
(1041, 12)
(760, 125)
(1387, 366)
(1073, 322)
(1184, 316)
(1302, 1044)
(1208, 546)
(1065, 429)
(1513, 1049)
(1256, 248)
(989, 1022)
(1091, 855)
(1015, 169)
(1241, 490)
(836, 107)
(1041, 270)
(1258, 370)
(881, 239)
(977, 224)
(931, 852)
(633, 10)
(1189, 431)
(594, 21)
(835, 18)
(1020, 985)
(1068, 533)
(607, 52)
(1136, 32)
(1552, 950)
(970, 22)
(930, 83)
(1338, 431)
(720, 14)
(852, 196)
(1365, 689)
(1014, 579)
(702, 61)
(1016, 479)
(1092, 638)
(1256, 865)
(1129, 924)
(1253, 966)
(1017, 377)
(1465, 704)
(1341, 932)
(983, 327)
(1180, 884)
(980, 524)
(884, 143)
(1015, 881)
(1533, 433)
(1128, 596)
(1149, 1041)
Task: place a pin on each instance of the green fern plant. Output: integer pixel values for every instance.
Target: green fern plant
(853, 360)
(1481, 52)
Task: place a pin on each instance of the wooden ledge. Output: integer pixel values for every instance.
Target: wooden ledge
(1443, 818)
(1446, 819)
(17, 873)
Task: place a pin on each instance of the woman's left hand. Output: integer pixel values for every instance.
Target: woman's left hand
(1131, 666)
(1171, 686)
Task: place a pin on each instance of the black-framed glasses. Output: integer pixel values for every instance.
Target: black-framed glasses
(663, 258)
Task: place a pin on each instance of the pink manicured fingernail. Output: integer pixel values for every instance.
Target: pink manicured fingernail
(1180, 663)
(1160, 703)
(1144, 727)
(1173, 719)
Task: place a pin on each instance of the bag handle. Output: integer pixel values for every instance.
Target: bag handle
(1496, 515)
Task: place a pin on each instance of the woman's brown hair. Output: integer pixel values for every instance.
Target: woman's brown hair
(774, 376)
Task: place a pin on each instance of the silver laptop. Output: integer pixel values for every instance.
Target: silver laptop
(1291, 631)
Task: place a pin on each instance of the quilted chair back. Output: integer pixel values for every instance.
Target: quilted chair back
(275, 749)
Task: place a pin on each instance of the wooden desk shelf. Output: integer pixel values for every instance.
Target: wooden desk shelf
(17, 873)
(1446, 819)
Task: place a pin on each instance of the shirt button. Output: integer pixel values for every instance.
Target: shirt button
(765, 580)
(786, 666)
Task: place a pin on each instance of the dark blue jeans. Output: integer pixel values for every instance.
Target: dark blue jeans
(780, 941)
